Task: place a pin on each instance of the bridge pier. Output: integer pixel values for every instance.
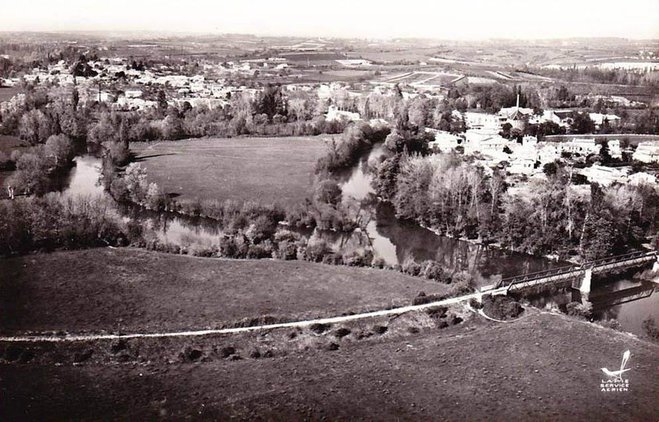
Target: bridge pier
(586, 281)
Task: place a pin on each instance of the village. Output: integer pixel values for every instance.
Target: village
(126, 86)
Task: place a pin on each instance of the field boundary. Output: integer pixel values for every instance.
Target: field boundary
(238, 330)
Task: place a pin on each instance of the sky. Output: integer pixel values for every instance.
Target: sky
(457, 19)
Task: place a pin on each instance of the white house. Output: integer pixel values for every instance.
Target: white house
(643, 179)
(548, 153)
(599, 119)
(647, 152)
(474, 137)
(133, 93)
(494, 145)
(604, 175)
(582, 146)
(334, 114)
(482, 121)
(548, 116)
(126, 103)
(354, 62)
(614, 149)
(522, 166)
(444, 141)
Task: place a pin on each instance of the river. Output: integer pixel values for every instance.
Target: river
(624, 299)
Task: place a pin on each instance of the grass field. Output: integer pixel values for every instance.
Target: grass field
(262, 169)
(541, 367)
(140, 291)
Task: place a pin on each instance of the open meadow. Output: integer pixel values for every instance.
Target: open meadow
(267, 170)
(136, 290)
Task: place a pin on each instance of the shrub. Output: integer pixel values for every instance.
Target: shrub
(475, 304)
(190, 355)
(203, 251)
(317, 251)
(342, 332)
(501, 307)
(578, 309)
(263, 250)
(650, 328)
(411, 267)
(328, 192)
(353, 143)
(226, 351)
(610, 323)
(234, 246)
(438, 312)
(332, 259)
(155, 200)
(379, 263)
(319, 328)
(135, 233)
(454, 320)
(380, 329)
(422, 298)
(118, 190)
(300, 216)
(286, 250)
(433, 271)
(358, 258)
(462, 282)
(263, 227)
(332, 346)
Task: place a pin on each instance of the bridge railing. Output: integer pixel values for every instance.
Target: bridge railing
(536, 275)
(620, 258)
(573, 270)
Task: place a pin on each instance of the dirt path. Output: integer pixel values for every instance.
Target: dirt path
(293, 324)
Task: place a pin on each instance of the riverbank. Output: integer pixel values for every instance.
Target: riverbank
(545, 366)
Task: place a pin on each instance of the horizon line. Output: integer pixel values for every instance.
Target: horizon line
(330, 37)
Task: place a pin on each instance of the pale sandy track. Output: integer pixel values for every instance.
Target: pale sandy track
(237, 330)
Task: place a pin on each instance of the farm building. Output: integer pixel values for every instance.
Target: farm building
(334, 114)
(647, 152)
(583, 146)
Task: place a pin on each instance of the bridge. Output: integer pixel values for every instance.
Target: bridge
(581, 276)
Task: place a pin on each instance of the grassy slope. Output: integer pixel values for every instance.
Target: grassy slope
(139, 291)
(543, 367)
(263, 169)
